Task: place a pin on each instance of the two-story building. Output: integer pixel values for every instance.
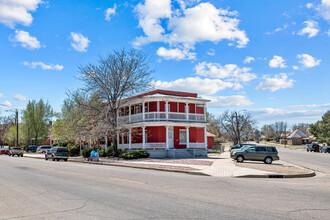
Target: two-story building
(165, 123)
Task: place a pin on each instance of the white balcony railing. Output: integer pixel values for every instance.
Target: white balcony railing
(147, 145)
(196, 145)
(161, 116)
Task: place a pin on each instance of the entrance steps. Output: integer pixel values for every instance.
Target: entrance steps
(177, 153)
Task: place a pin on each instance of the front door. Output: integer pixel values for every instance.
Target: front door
(170, 138)
(251, 154)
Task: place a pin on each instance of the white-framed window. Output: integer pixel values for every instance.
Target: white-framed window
(183, 136)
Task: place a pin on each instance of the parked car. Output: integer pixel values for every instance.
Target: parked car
(43, 149)
(16, 151)
(57, 153)
(258, 153)
(240, 145)
(31, 149)
(4, 151)
(313, 147)
(325, 149)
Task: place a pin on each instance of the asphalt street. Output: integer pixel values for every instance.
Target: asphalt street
(38, 189)
(313, 160)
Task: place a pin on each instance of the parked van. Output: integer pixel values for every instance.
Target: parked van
(258, 153)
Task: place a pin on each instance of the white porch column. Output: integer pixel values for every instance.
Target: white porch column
(117, 138)
(167, 144)
(130, 139)
(187, 137)
(205, 138)
(166, 109)
(129, 113)
(122, 138)
(143, 111)
(187, 111)
(143, 137)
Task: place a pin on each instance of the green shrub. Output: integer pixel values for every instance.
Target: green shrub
(109, 151)
(268, 139)
(56, 144)
(74, 149)
(87, 152)
(135, 154)
(102, 153)
(119, 152)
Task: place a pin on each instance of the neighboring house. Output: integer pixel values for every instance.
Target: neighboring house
(165, 123)
(297, 137)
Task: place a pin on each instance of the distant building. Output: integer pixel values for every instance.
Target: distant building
(298, 137)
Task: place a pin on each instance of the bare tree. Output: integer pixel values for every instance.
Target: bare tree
(116, 76)
(279, 129)
(236, 126)
(213, 127)
(302, 127)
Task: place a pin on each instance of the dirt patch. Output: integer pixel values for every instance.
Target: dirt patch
(274, 168)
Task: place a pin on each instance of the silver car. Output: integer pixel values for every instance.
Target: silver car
(258, 153)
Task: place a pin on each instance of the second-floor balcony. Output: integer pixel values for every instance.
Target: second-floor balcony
(161, 116)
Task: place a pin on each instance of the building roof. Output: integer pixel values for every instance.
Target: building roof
(163, 92)
(208, 134)
(297, 134)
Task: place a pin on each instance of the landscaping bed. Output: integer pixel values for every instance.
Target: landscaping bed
(274, 168)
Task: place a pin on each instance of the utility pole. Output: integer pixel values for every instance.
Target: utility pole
(16, 119)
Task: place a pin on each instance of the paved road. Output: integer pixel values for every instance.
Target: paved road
(316, 161)
(38, 189)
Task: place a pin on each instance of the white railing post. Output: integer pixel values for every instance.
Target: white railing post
(130, 139)
(143, 111)
(187, 111)
(143, 137)
(129, 113)
(187, 137)
(167, 146)
(205, 139)
(166, 109)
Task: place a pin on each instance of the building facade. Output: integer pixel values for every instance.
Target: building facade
(163, 120)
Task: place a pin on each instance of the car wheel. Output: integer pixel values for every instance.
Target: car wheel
(46, 158)
(65, 160)
(268, 160)
(58, 159)
(307, 150)
(53, 159)
(240, 159)
(13, 155)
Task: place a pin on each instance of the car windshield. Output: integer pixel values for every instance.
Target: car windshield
(62, 150)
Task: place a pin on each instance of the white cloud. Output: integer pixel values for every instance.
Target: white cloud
(2, 95)
(248, 59)
(311, 29)
(79, 42)
(284, 27)
(309, 5)
(43, 65)
(14, 12)
(229, 71)
(308, 61)
(177, 54)
(188, 25)
(228, 101)
(6, 104)
(279, 81)
(327, 105)
(211, 52)
(295, 67)
(324, 9)
(26, 40)
(110, 12)
(20, 97)
(277, 62)
(194, 84)
(270, 114)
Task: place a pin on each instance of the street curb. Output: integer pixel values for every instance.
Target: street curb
(303, 175)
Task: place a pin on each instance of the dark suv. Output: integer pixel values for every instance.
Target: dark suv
(313, 147)
(31, 149)
(57, 153)
(258, 153)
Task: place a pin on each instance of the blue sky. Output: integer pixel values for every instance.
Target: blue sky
(270, 58)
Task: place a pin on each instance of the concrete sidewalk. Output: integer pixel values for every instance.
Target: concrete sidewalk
(222, 166)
